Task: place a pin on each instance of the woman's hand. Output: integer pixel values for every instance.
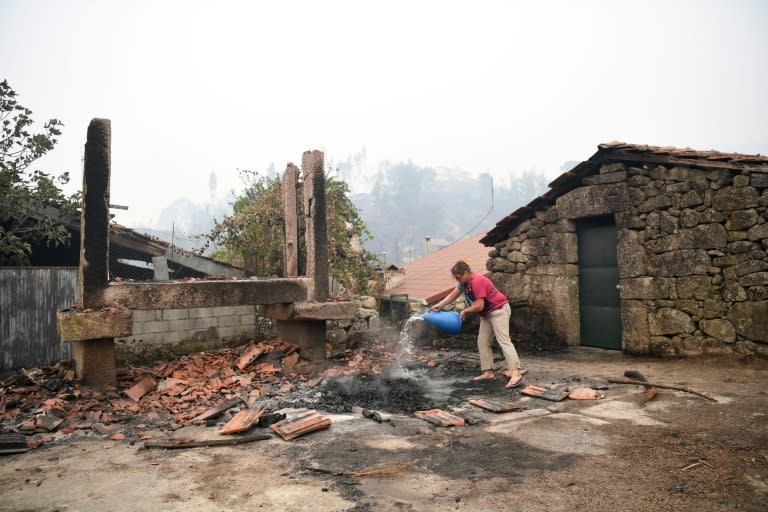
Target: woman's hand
(436, 307)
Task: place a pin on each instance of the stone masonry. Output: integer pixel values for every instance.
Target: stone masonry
(692, 245)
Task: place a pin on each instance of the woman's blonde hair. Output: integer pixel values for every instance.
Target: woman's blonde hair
(460, 267)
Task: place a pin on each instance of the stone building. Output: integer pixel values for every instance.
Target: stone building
(651, 250)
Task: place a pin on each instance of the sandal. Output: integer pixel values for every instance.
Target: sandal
(483, 376)
(508, 373)
(516, 383)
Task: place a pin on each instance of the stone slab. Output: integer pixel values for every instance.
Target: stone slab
(204, 294)
(76, 325)
(342, 310)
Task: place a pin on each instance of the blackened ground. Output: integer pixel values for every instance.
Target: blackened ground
(395, 395)
(678, 452)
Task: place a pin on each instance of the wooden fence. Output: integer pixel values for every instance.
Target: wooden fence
(29, 299)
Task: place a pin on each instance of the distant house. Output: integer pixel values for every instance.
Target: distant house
(645, 249)
(428, 279)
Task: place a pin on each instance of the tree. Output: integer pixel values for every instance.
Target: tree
(33, 209)
(350, 264)
(253, 236)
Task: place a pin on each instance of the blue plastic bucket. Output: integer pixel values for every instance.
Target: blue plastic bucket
(448, 321)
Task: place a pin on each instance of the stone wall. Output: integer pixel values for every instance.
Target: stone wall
(367, 317)
(693, 269)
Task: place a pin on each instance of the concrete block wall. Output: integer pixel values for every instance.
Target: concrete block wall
(157, 332)
(160, 334)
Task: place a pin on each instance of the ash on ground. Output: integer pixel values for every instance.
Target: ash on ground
(395, 395)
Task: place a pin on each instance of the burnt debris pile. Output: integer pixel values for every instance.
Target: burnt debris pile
(394, 395)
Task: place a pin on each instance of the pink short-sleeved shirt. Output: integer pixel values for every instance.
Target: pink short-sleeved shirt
(480, 287)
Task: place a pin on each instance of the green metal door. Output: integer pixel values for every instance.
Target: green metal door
(598, 284)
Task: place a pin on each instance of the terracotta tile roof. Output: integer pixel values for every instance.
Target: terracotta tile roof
(687, 153)
(429, 278)
(621, 152)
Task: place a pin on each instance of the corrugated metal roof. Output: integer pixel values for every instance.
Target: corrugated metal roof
(621, 152)
(429, 278)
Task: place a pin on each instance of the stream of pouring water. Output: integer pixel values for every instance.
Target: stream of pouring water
(436, 389)
(405, 344)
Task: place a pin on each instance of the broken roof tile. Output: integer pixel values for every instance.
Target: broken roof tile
(440, 418)
(141, 388)
(242, 421)
(309, 421)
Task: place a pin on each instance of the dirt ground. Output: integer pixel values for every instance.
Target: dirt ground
(677, 452)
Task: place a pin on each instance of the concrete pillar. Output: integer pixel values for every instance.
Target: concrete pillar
(160, 268)
(291, 225)
(317, 228)
(95, 359)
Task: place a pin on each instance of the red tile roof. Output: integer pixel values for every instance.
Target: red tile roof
(673, 152)
(429, 278)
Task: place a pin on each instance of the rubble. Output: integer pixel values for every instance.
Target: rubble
(553, 393)
(585, 394)
(304, 423)
(13, 443)
(440, 418)
(45, 404)
(493, 406)
(141, 388)
(243, 421)
(393, 394)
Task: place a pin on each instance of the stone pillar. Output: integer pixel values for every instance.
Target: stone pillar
(95, 362)
(317, 229)
(95, 359)
(94, 217)
(291, 224)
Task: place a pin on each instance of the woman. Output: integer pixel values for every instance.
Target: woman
(482, 297)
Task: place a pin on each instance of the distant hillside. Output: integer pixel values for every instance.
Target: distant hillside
(408, 203)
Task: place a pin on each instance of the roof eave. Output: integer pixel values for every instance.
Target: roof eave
(621, 152)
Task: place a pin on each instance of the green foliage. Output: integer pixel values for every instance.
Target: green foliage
(350, 263)
(32, 207)
(253, 236)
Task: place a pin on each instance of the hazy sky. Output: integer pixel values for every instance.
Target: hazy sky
(199, 87)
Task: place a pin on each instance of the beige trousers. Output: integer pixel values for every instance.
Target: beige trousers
(496, 324)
